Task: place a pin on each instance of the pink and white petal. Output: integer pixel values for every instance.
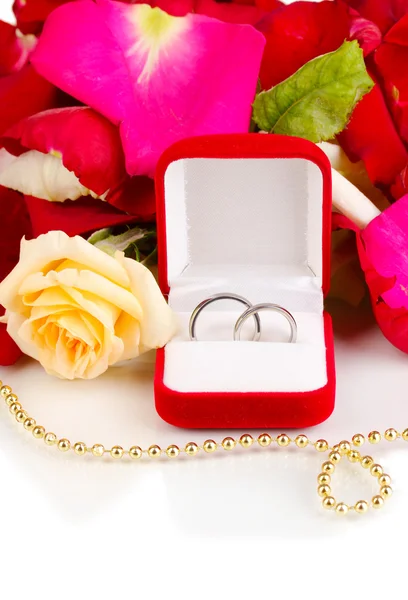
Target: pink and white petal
(159, 66)
(88, 144)
(41, 175)
(15, 48)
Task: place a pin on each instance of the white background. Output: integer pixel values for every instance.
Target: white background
(241, 524)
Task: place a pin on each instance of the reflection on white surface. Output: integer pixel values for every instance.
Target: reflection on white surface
(262, 494)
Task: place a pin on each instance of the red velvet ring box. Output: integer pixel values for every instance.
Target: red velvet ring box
(248, 214)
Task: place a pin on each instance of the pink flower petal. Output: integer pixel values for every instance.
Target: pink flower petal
(172, 77)
(386, 244)
(382, 251)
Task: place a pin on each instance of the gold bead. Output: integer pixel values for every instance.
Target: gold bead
(328, 467)
(80, 448)
(324, 479)
(335, 448)
(405, 435)
(135, 452)
(324, 490)
(335, 457)
(361, 507)
(391, 435)
(116, 452)
(11, 399)
(283, 440)
(64, 445)
(264, 440)
(245, 440)
(329, 503)
(29, 424)
(321, 446)
(342, 509)
(354, 456)
(21, 416)
(191, 449)
(154, 451)
(384, 480)
(38, 432)
(374, 437)
(5, 390)
(366, 462)
(50, 439)
(210, 446)
(386, 491)
(344, 447)
(15, 408)
(358, 440)
(173, 451)
(98, 450)
(377, 502)
(228, 443)
(302, 441)
(376, 470)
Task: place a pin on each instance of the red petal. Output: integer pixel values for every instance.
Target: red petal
(371, 136)
(89, 144)
(23, 94)
(15, 224)
(14, 50)
(365, 32)
(75, 218)
(298, 33)
(136, 197)
(383, 13)
(392, 62)
(31, 14)
(400, 186)
(232, 12)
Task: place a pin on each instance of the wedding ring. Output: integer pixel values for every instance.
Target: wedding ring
(253, 310)
(224, 296)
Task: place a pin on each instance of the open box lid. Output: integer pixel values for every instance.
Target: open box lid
(225, 200)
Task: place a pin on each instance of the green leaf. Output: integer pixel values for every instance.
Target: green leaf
(317, 101)
(110, 243)
(102, 234)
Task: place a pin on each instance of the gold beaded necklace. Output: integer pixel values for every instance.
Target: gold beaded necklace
(336, 453)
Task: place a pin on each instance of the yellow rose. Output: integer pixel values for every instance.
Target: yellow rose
(77, 310)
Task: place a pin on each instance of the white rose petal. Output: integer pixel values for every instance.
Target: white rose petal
(42, 176)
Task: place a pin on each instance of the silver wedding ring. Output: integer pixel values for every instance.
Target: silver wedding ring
(251, 311)
(256, 308)
(225, 296)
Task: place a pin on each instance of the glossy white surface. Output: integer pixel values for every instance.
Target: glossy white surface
(233, 523)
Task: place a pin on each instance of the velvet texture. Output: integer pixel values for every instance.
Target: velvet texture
(269, 409)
